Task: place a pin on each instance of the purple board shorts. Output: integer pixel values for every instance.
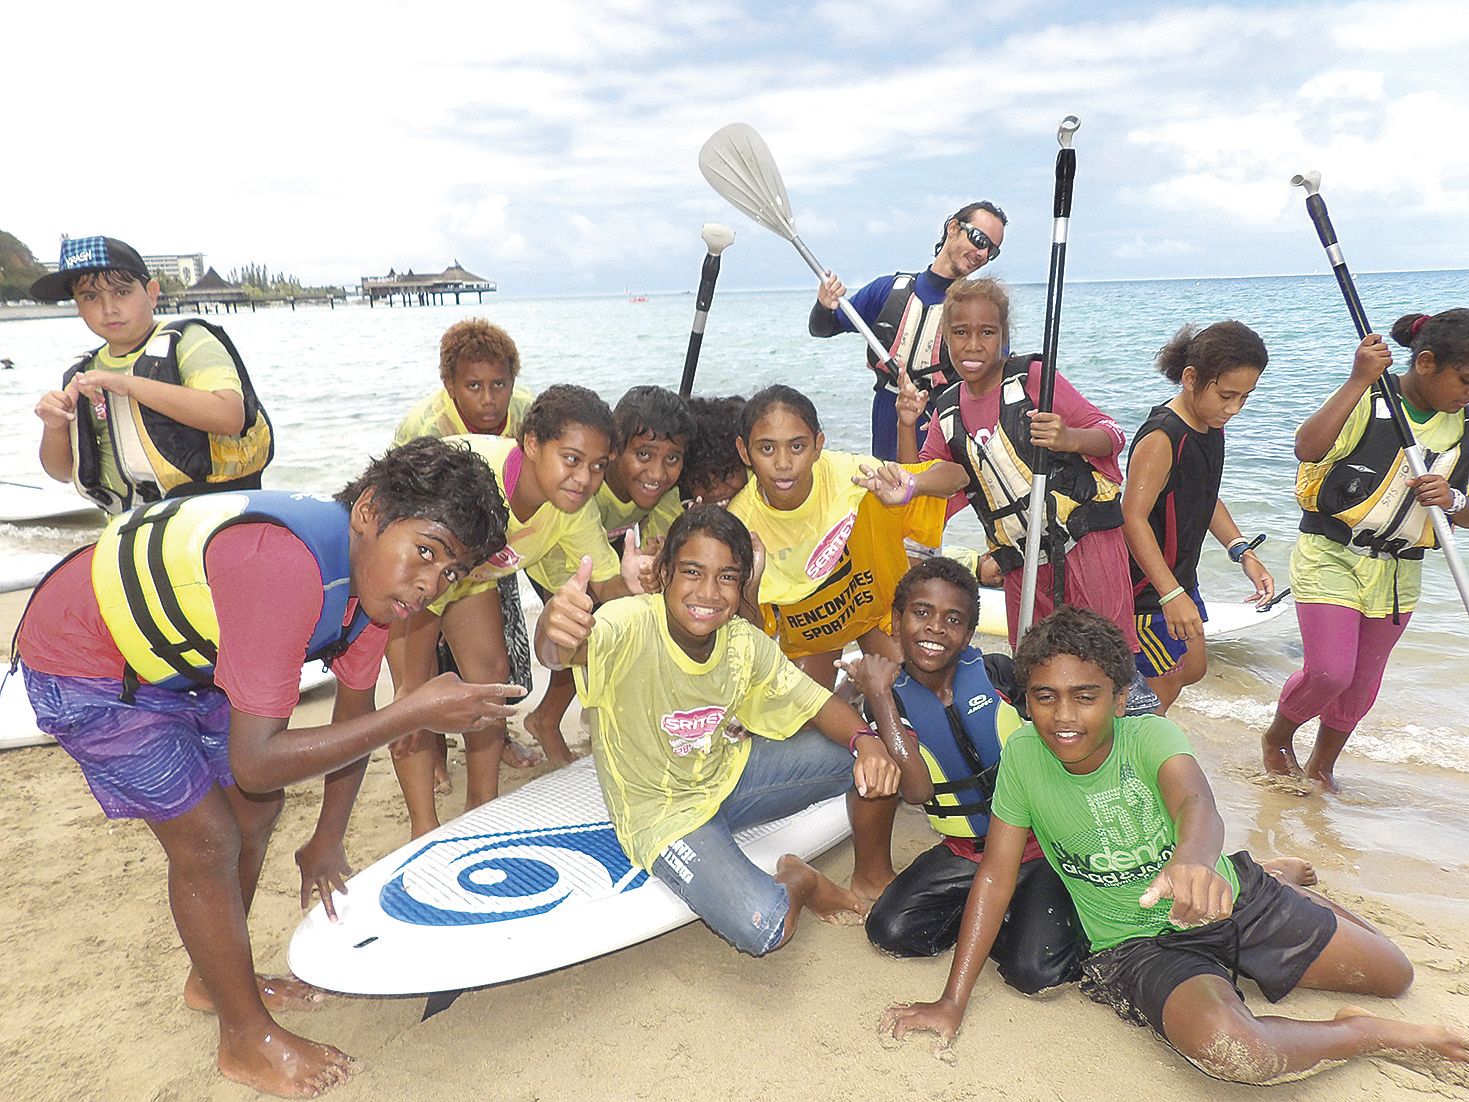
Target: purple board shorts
(154, 759)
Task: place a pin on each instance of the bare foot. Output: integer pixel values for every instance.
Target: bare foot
(520, 757)
(827, 900)
(276, 992)
(1291, 870)
(1326, 779)
(285, 1065)
(1415, 1039)
(443, 783)
(868, 889)
(1280, 758)
(547, 733)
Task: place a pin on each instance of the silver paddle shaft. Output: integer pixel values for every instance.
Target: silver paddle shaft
(850, 311)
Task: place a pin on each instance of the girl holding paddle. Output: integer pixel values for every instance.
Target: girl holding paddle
(1357, 566)
(1172, 499)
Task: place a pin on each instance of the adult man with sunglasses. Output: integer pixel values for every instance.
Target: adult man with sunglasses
(904, 310)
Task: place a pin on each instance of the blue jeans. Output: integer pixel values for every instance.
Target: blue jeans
(708, 870)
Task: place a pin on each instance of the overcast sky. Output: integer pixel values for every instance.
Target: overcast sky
(552, 145)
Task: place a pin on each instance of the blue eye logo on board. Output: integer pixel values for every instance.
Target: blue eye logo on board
(504, 876)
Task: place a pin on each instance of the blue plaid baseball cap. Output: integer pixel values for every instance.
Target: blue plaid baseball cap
(88, 254)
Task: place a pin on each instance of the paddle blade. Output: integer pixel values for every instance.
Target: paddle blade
(737, 163)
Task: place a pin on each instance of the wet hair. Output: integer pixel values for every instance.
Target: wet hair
(114, 279)
(711, 456)
(432, 479)
(778, 395)
(940, 569)
(1446, 335)
(713, 521)
(980, 290)
(964, 214)
(475, 339)
(559, 407)
(1083, 634)
(1212, 351)
(654, 411)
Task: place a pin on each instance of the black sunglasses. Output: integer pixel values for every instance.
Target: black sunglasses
(980, 239)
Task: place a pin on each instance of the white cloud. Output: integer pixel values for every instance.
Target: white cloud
(1148, 248)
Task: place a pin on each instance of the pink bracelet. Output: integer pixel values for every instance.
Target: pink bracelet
(912, 486)
(852, 745)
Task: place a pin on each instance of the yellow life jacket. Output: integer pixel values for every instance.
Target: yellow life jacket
(156, 456)
(151, 586)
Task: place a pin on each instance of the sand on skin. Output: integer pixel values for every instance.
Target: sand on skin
(90, 1006)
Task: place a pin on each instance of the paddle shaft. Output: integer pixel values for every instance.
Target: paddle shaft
(702, 301)
(1036, 528)
(884, 357)
(1412, 450)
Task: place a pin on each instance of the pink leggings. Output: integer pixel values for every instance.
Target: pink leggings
(1345, 656)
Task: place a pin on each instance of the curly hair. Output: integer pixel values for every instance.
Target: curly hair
(1212, 351)
(432, 479)
(711, 457)
(713, 521)
(941, 569)
(559, 407)
(654, 410)
(1083, 634)
(476, 340)
(981, 290)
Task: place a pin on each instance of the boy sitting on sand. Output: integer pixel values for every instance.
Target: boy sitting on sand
(172, 685)
(1125, 815)
(162, 409)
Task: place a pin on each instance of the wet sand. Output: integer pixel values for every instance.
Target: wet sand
(93, 968)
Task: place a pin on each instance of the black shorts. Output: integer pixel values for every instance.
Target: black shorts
(1274, 934)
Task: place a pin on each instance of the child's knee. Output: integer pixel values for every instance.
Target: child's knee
(889, 929)
(1229, 1044)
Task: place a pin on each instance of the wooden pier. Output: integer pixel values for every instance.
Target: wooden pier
(426, 290)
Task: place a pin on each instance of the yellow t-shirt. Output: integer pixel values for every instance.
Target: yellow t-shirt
(833, 563)
(568, 535)
(204, 364)
(659, 719)
(436, 415)
(1322, 571)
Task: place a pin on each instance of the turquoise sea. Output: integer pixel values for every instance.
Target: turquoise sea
(337, 382)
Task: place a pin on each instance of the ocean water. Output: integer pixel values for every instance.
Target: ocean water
(336, 383)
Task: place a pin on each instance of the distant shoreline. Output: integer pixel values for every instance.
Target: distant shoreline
(37, 310)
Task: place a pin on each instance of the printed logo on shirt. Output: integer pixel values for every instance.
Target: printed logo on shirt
(830, 547)
(692, 731)
(504, 559)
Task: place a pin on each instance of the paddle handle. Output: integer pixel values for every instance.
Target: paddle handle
(1412, 450)
(879, 350)
(702, 301)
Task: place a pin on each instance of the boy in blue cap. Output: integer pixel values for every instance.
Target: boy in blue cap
(161, 409)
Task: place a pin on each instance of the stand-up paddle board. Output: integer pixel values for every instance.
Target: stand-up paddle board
(18, 718)
(1226, 618)
(21, 502)
(23, 569)
(527, 883)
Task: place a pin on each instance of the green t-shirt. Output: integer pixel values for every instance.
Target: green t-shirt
(1107, 832)
(660, 721)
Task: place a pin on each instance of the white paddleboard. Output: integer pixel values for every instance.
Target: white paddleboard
(527, 883)
(1226, 618)
(20, 503)
(18, 718)
(23, 569)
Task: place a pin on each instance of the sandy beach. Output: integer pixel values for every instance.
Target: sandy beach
(93, 968)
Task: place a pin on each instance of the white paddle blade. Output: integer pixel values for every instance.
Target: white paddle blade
(737, 163)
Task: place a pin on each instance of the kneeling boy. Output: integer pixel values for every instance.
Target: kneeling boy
(1125, 815)
(172, 684)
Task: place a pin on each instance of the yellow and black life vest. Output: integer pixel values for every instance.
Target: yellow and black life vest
(1000, 464)
(156, 456)
(1363, 500)
(149, 578)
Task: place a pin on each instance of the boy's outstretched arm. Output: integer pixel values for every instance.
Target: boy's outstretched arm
(321, 858)
(265, 756)
(566, 622)
(989, 898)
(1199, 894)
